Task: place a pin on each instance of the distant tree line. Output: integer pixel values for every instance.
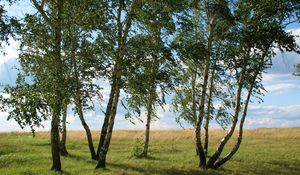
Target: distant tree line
(209, 55)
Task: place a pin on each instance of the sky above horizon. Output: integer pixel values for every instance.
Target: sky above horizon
(281, 107)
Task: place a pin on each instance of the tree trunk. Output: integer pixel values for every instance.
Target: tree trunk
(101, 159)
(106, 120)
(147, 134)
(85, 126)
(78, 95)
(63, 148)
(112, 105)
(208, 110)
(239, 139)
(111, 113)
(206, 135)
(199, 148)
(240, 134)
(201, 153)
(194, 76)
(206, 126)
(106, 144)
(219, 150)
(56, 164)
(149, 116)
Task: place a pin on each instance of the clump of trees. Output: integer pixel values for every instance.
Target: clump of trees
(208, 55)
(235, 42)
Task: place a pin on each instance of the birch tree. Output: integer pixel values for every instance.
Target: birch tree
(243, 51)
(122, 22)
(148, 77)
(148, 84)
(41, 60)
(84, 60)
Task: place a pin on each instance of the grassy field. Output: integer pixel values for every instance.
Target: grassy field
(263, 151)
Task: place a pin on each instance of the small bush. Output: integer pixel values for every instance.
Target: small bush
(138, 147)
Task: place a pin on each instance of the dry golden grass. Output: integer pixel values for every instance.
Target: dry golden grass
(180, 134)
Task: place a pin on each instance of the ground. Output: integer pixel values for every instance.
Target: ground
(263, 151)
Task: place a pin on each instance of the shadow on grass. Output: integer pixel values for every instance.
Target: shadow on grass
(162, 170)
(65, 172)
(7, 148)
(9, 159)
(146, 158)
(152, 158)
(81, 158)
(146, 170)
(285, 167)
(42, 144)
(149, 170)
(276, 167)
(5, 152)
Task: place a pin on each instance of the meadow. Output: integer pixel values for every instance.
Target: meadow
(263, 151)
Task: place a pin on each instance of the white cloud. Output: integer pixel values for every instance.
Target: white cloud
(3, 115)
(4, 95)
(279, 77)
(105, 94)
(11, 51)
(287, 112)
(296, 32)
(282, 87)
(8, 125)
(284, 63)
(270, 123)
(273, 116)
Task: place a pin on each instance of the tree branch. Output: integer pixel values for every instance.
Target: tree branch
(40, 8)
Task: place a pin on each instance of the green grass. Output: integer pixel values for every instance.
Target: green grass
(263, 151)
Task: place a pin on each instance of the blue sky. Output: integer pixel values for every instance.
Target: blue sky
(281, 107)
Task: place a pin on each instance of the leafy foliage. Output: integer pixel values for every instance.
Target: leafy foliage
(25, 105)
(8, 26)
